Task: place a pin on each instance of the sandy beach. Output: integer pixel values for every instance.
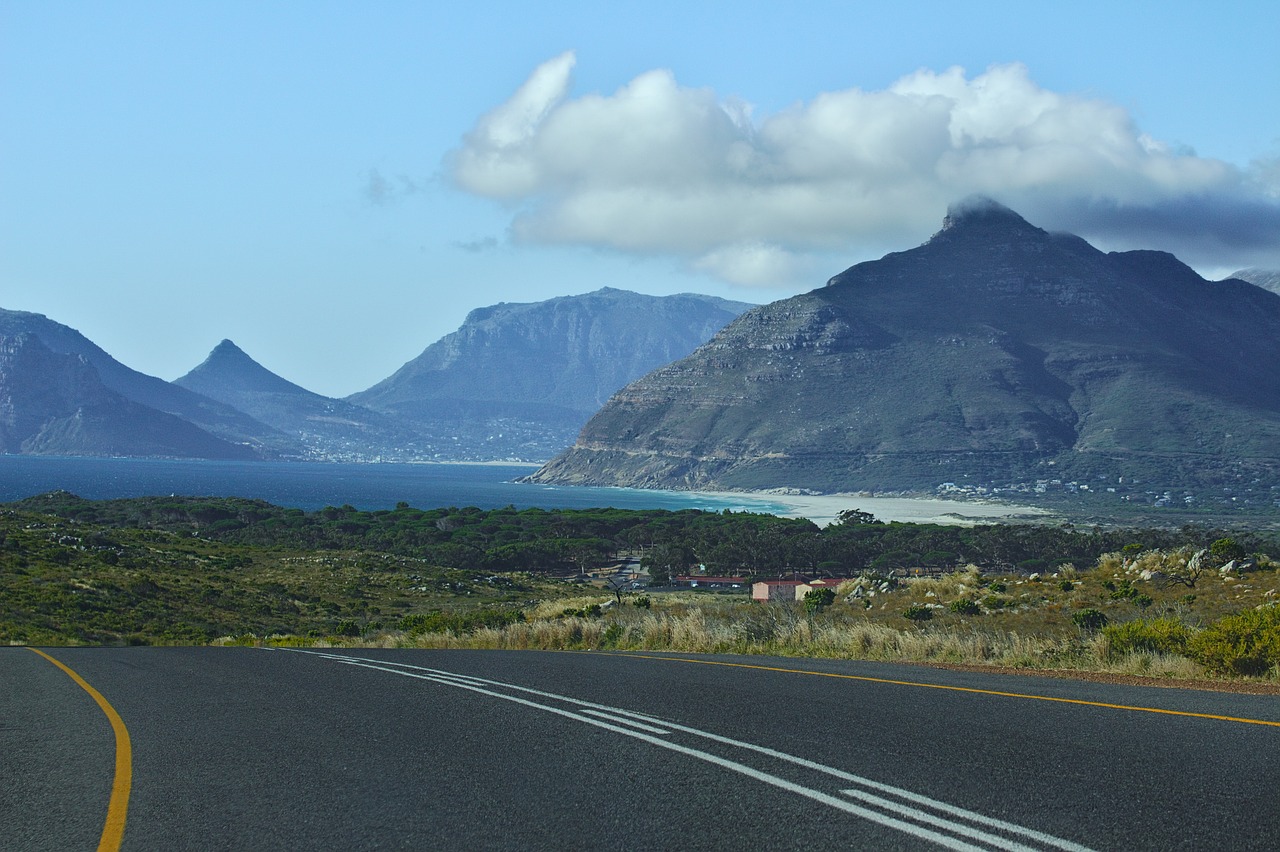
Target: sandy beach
(822, 509)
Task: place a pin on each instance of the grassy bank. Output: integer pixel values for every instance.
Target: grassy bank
(1121, 617)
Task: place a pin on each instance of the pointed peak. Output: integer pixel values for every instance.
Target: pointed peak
(228, 352)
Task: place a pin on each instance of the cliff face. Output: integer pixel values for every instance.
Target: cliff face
(532, 374)
(327, 428)
(990, 351)
(56, 404)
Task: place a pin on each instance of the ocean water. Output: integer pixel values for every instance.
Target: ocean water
(313, 485)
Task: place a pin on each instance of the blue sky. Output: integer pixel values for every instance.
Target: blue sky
(335, 185)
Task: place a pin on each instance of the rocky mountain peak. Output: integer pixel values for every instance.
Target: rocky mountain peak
(229, 367)
(967, 220)
(991, 352)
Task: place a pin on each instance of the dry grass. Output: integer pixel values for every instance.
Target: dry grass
(1020, 623)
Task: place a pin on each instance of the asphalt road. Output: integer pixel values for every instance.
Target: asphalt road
(242, 749)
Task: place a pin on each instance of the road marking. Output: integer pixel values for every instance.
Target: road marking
(948, 687)
(622, 720)
(915, 821)
(118, 806)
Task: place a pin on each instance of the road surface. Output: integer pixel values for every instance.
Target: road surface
(243, 749)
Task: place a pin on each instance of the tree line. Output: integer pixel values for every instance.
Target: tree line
(670, 542)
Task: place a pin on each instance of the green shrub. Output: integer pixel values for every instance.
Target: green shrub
(1226, 549)
(611, 635)
(1066, 585)
(964, 606)
(816, 600)
(1157, 636)
(918, 612)
(1123, 591)
(1089, 619)
(457, 622)
(1247, 643)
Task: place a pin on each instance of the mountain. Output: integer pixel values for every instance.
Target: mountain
(214, 417)
(56, 404)
(995, 352)
(520, 380)
(330, 429)
(1267, 279)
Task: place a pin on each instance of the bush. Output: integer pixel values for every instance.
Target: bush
(1247, 643)
(457, 622)
(1066, 585)
(1089, 619)
(1156, 636)
(817, 600)
(611, 635)
(918, 612)
(964, 606)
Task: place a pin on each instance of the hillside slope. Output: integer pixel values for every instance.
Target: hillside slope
(995, 353)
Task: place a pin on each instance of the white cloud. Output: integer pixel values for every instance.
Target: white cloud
(660, 168)
(753, 264)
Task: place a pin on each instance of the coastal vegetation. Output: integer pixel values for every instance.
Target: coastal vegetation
(1190, 602)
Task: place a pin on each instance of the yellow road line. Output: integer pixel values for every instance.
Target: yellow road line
(923, 685)
(118, 807)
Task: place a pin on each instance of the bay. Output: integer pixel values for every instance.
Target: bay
(311, 486)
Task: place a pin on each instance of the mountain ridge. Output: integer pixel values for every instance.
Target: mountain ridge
(214, 417)
(527, 376)
(328, 429)
(54, 403)
(993, 351)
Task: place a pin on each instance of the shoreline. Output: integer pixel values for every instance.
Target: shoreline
(823, 509)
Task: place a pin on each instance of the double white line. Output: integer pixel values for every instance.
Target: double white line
(920, 816)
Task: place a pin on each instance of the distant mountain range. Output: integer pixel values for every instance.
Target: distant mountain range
(522, 379)
(219, 420)
(516, 382)
(326, 428)
(1267, 279)
(54, 403)
(995, 353)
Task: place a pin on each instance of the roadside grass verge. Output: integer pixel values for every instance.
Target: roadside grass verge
(1138, 622)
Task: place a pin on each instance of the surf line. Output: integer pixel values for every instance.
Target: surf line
(118, 806)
